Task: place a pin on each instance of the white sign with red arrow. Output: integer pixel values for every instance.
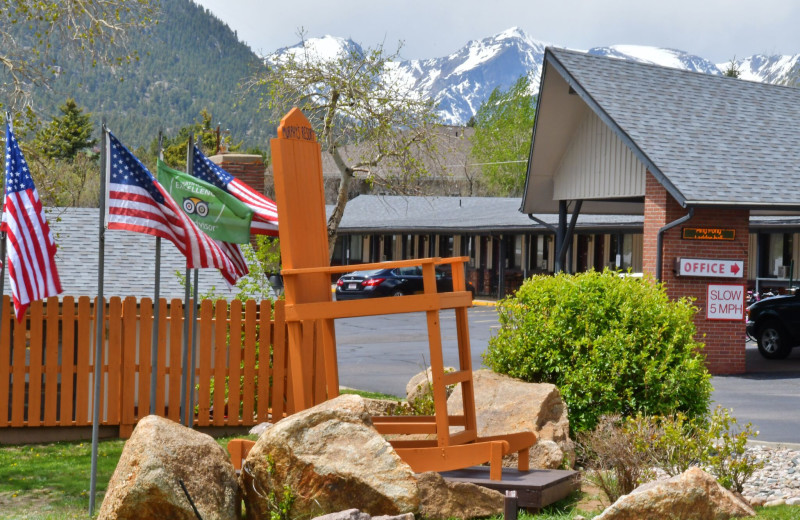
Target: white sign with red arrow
(711, 267)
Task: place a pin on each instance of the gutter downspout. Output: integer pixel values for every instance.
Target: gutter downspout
(660, 240)
(543, 223)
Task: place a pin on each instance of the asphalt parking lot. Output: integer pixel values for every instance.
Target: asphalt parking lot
(768, 395)
(382, 353)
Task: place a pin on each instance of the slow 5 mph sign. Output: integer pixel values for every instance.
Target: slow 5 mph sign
(711, 268)
(725, 302)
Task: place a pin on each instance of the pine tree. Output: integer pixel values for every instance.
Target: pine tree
(67, 135)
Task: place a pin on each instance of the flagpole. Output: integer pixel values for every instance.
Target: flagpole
(193, 362)
(185, 354)
(156, 306)
(3, 243)
(99, 313)
(186, 318)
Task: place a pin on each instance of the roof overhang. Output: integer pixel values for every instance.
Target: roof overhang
(561, 101)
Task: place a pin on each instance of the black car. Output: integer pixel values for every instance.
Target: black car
(398, 281)
(775, 324)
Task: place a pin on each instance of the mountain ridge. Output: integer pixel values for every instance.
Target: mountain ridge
(462, 80)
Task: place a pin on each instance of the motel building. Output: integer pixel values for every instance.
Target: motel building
(701, 158)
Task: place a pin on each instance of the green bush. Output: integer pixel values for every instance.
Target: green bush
(611, 344)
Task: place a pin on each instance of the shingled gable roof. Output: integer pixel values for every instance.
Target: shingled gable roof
(709, 140)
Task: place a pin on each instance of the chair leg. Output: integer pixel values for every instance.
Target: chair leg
(496, 461)
(524, 459)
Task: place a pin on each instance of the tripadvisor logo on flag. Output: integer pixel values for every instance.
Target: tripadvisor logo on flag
(219, 214)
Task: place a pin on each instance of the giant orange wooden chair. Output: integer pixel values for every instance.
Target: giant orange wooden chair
(310, 315)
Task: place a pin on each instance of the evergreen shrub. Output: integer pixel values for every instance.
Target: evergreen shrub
(611, 344)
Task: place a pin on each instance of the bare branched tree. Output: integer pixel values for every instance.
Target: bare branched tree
(355, 100)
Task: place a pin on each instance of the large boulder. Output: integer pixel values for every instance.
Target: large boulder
(692, 495)
(329, 458)
(159, 454)
(507, 405)
(440, 499)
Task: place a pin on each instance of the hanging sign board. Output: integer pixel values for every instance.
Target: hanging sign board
(693, 233)
(709, 267)
(725, 302)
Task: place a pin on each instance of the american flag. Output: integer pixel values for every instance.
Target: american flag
(31, 248)
(137, 202)
(265, 219)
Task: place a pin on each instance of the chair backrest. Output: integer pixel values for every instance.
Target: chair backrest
(300, 195)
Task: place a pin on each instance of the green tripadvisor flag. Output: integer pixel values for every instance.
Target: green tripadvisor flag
(219, 214)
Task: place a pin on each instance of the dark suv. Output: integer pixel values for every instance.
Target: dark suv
(775, 324)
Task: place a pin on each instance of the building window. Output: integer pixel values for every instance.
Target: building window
(538, 253)
(518, 243)
(779, 256)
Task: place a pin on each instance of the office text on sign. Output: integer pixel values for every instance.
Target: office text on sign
(714, 268)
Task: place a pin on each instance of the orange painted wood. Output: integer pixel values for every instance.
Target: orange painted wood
(113, 368)
(265, 337)
(331, 367)
(67, 361)
(52, 369)
(249, 363)
(296, 398)
(175, 346)
(85, 348)
(5, 359)
(146, 366)
(320, 393)
(205, 358)
(128, 380)
(235, 363)
(279, 359)
(333, 269)
(18, 370)
(239, 449)
(220, 360)
(99, 314)
(161, 355)
(452, 457)
(35, 353)
(377, 306)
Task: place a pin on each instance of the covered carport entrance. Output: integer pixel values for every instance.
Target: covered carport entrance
(696, 154)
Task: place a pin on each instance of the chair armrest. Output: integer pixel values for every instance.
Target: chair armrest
(375, 265)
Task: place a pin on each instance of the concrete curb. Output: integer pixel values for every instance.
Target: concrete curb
(483, 303)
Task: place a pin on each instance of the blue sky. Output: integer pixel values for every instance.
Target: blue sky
(714, 29)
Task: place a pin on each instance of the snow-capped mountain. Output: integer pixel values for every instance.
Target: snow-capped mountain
(780, 70)
(460, 82)
(657, 56)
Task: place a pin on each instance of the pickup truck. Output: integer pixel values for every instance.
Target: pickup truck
(774, 323)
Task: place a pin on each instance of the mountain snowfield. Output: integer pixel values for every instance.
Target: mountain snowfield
(461, 81)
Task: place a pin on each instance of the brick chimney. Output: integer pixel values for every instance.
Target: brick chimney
(245, 167)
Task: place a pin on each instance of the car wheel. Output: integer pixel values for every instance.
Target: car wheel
(773, 342)
(398, 292)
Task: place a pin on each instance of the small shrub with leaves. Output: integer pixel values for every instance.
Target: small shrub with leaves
(725, 455)
(611, 344)
(620, 453)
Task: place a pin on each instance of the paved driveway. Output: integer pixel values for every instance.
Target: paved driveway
(767, 396)
(382, 353)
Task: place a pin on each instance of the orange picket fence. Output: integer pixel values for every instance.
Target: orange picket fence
(47, 363)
